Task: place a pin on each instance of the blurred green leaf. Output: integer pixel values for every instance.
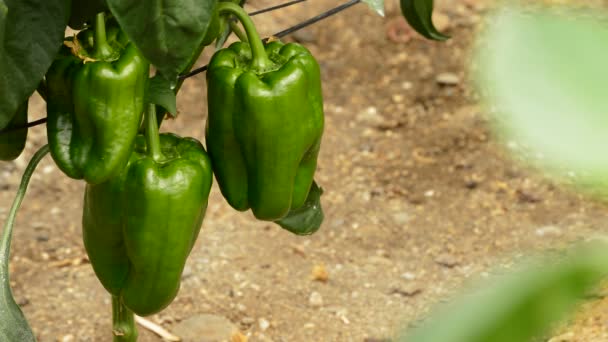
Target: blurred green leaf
(520, 306)
(544, 76)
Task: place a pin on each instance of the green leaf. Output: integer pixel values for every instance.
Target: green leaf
(34, 31)
(544, 77)
(13, 325)
(159, 92)
(3, 13)
(419, 14)
(307, 219)
(521, 305)
(376, 5)
(168, 32)
(84, 11)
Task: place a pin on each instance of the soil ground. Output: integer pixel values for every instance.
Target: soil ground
(419, 197)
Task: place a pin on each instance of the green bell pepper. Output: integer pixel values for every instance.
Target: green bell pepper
(265, 122)
(139, 227)
(12, 142)
(95, 103)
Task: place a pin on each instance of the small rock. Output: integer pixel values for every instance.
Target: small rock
(567, 337)
(309, 326)
(442, 22)
(67, 338)
(319, 273)
(409, 290)
(187, 272)
(205, 328)
(401, 218)
(22, 301)
(42, 237)
(408, 276)
(447, 260)
(264, 324)
(240, 307)
(471, 184)
(239, 337)
(315, 300)
(548, 231)
(447, 79)
(371, 117)
(247, 320)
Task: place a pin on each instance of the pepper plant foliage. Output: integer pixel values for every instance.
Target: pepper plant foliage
(97, 87)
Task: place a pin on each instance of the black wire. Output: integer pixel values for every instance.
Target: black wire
(29, 124)
(272, 8)
(289, 30)
(314, 20)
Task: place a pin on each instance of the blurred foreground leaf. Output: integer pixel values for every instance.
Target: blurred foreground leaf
(519, 306)
(544, 77)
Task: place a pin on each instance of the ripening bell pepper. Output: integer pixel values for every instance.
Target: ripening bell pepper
(265, 122)
(12, 141)
(95, 98)
(140, 226)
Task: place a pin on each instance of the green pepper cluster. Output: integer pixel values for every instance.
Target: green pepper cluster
(146, 193)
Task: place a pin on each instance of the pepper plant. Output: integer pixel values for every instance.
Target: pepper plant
(146, 193)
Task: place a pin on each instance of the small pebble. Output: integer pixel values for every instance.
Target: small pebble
(264, 324)
(315, 300)
(447, 79)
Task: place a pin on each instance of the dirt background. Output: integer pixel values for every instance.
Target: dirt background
(418, 198)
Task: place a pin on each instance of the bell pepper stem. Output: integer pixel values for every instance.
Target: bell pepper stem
(239, 33)
(102, 48)
(123, 322)
(260, 61)
(152, 138)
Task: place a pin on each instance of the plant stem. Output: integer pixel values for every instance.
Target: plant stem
(152, 137)
(11, 314)
(5, 244)
(123, 322)
(102, 48)
(260, 60)
(239, 33)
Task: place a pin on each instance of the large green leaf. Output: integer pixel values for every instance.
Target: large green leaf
(168, 32)
(34, 31)
(519, 306)
(84, 11)
(307, 219)
(544, 76)
(13, 325)
(159, 92)
(419, 14)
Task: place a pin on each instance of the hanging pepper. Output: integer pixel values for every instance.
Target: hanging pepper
(12, 141)
(95, 94)
(265, 122)
(140, 226)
